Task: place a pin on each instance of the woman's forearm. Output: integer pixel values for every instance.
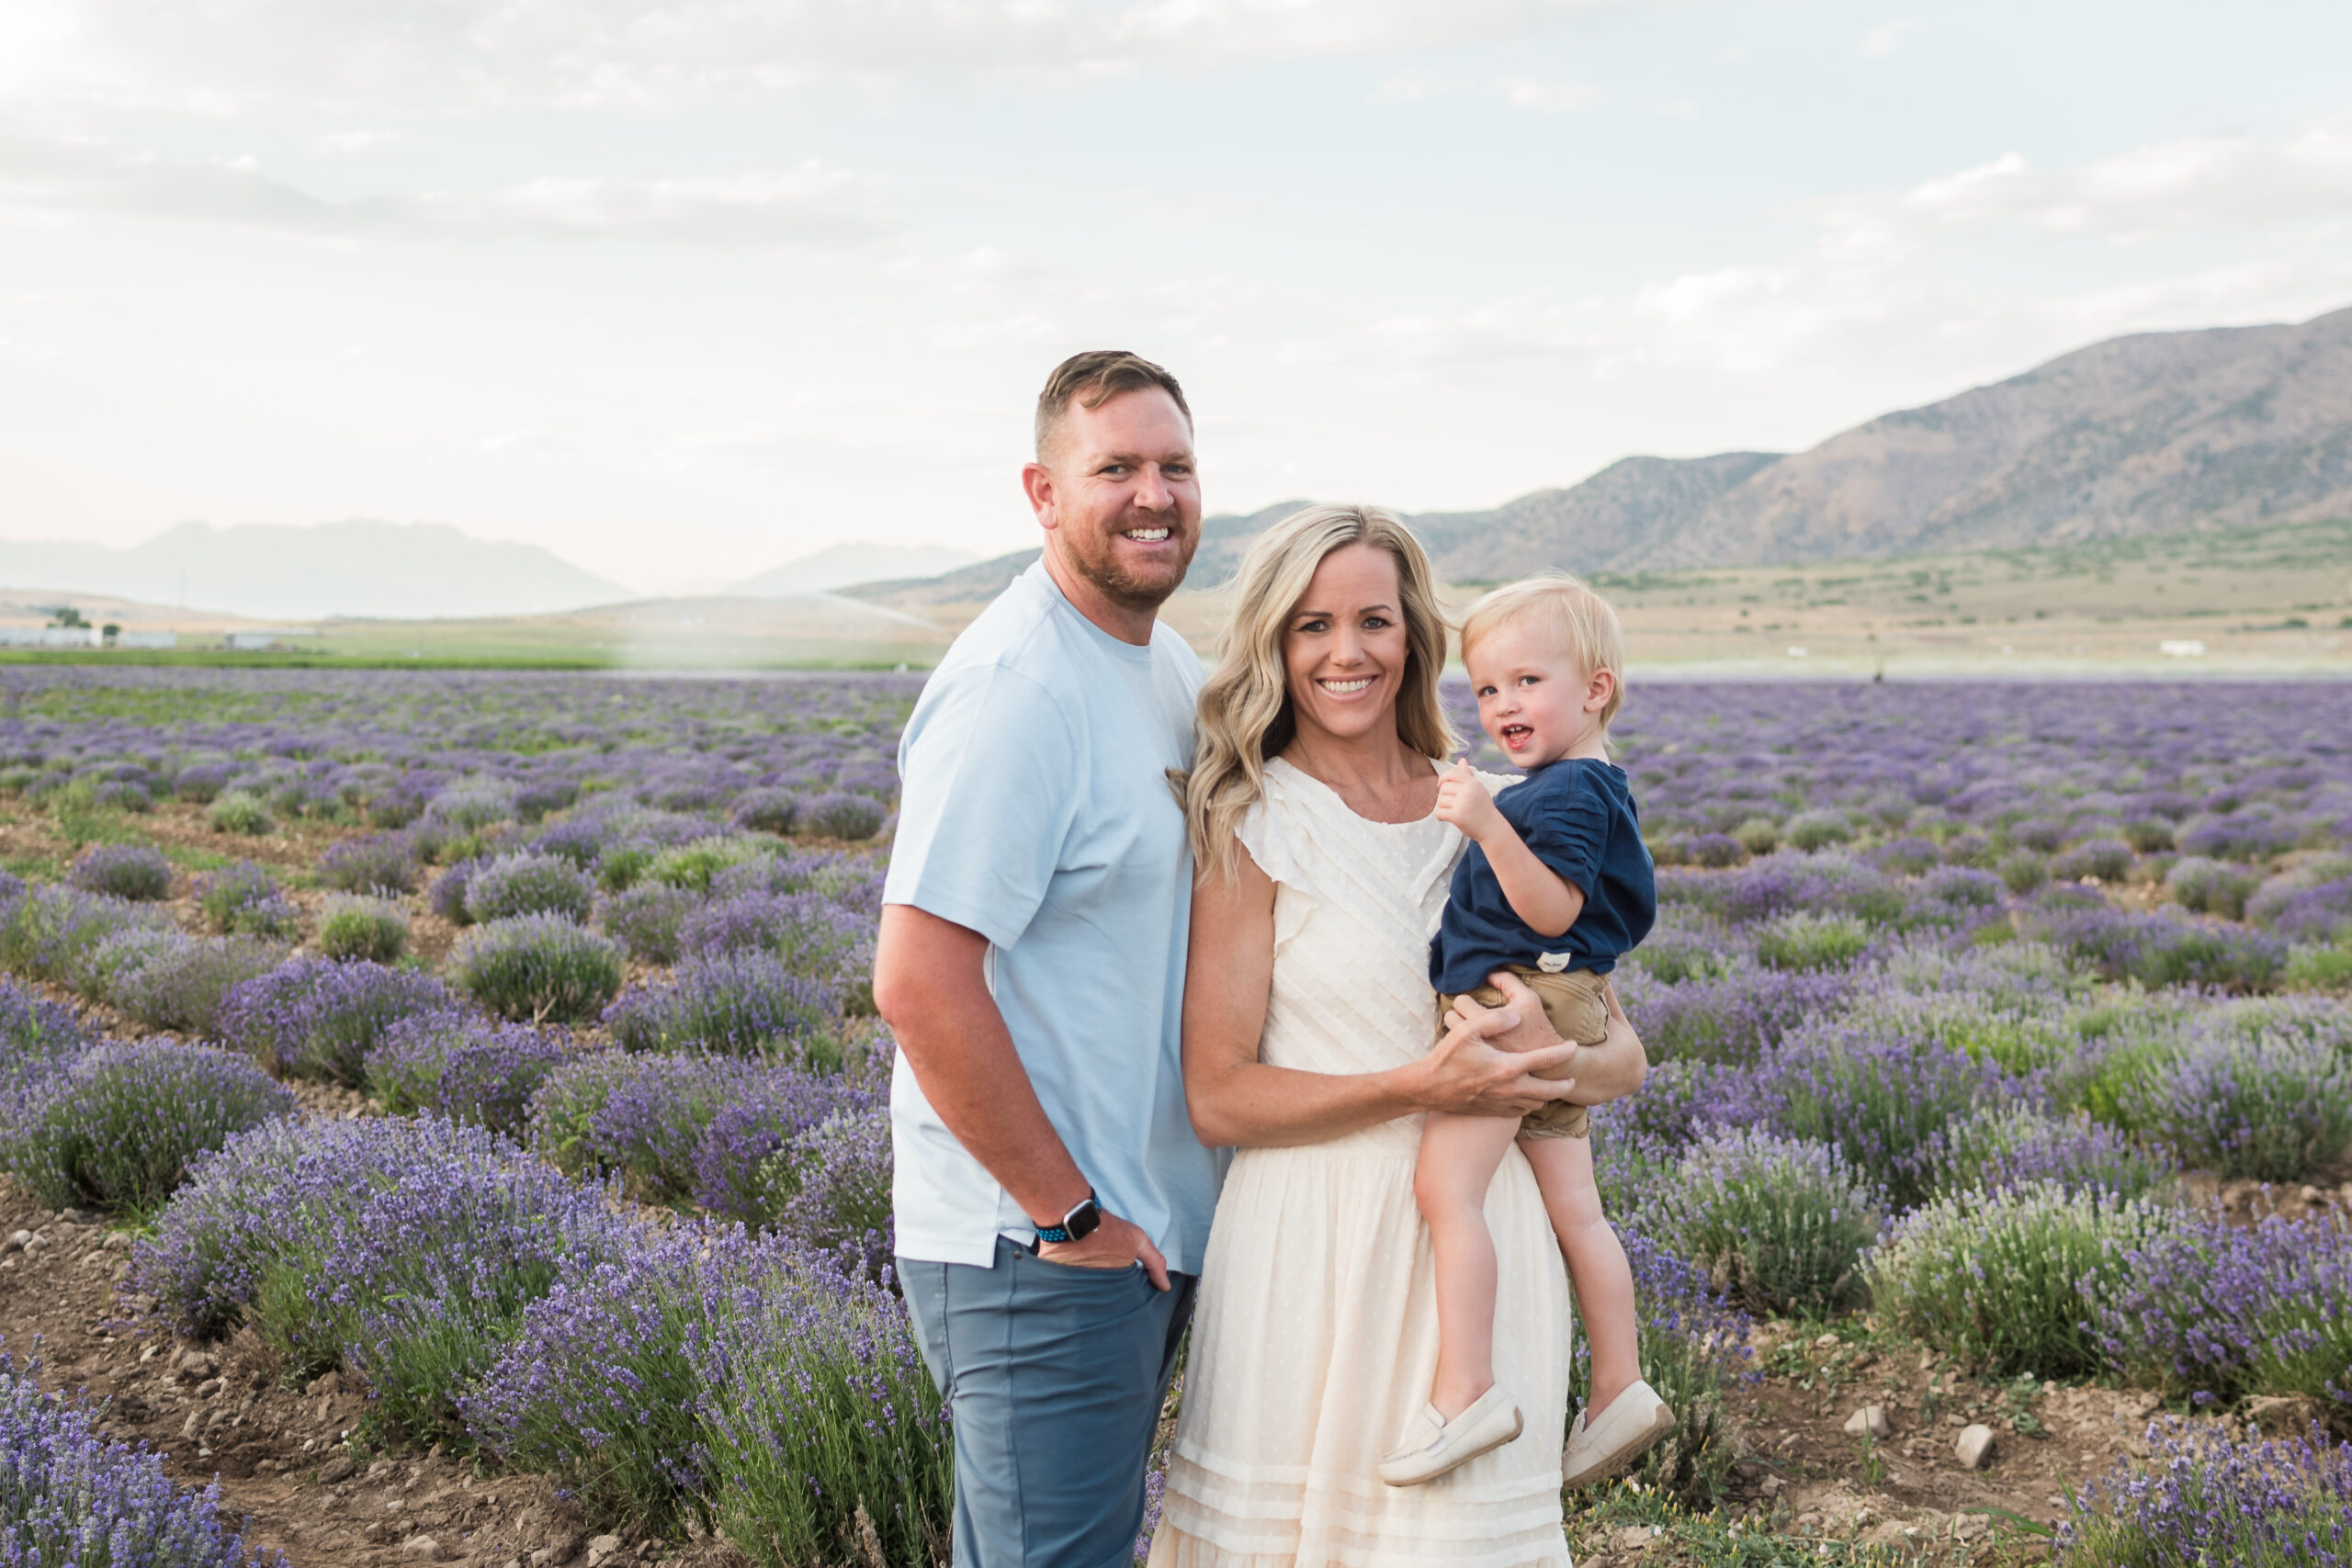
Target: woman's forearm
(1251, 1105)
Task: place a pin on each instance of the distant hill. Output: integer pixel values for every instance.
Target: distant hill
(409, 571)
(845, 565)
(2140, 435)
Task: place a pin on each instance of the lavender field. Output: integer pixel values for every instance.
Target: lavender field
(500, 1047)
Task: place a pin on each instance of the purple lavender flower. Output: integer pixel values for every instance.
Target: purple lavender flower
(2210, 1498)
(315, 1018)
(736, 1004)
(463, 1067)
(121, 1125)
(137, 871)
(383, 862)
(70, 1495)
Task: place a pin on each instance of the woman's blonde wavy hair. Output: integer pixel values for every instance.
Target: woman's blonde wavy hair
(1245, 707)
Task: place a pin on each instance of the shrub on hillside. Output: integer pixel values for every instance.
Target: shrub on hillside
(2010, 1280)
(527, 883)
(2210, 886)
(539, 968)
(316, 1017)
(137, 871)
(472, 804)
(120, 1127)
(692, 865)
(2274, 1107)
(357, 926)
(1778, 1223)
(2109, 860)
(446, 897)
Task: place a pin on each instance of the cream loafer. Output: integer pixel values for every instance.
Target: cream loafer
(1433, 1445)
(1633, 1422)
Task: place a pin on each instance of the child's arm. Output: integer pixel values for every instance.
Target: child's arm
(1547, 901)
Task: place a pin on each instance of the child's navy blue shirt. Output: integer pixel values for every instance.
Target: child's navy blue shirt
(1577, 816)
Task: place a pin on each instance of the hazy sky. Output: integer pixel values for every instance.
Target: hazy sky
(685, 288)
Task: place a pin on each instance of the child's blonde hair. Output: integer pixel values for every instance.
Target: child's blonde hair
(1582, 621)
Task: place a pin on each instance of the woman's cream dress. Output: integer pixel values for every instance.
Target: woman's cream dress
(1316, 1328)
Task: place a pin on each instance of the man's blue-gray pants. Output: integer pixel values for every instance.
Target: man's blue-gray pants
(1055, 1376)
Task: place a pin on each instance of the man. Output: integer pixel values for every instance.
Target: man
(1052, 1203)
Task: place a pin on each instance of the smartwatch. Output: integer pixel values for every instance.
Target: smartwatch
(1078, 1224)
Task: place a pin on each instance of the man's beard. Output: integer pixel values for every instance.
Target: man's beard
(1122, 587)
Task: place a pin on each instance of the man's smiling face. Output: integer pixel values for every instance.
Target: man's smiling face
(1120, 500)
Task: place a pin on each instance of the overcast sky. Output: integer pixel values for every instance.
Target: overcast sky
(683, 289)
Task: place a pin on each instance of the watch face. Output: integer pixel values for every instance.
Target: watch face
(1084, 1220)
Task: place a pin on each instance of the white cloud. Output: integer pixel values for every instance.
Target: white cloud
(2194, 184)
(805, 206)
(645, 52)
(1536, 96)
(1883, 39)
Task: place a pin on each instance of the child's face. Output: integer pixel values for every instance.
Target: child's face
(1533, 700)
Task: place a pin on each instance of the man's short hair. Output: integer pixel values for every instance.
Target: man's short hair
(1093, 379)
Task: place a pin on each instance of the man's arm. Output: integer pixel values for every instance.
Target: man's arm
(930, 987)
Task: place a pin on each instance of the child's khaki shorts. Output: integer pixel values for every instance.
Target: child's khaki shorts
(1577, 1007)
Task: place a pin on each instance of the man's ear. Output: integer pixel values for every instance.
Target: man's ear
(1037, 484)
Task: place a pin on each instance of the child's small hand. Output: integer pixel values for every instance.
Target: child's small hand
(1463, 800)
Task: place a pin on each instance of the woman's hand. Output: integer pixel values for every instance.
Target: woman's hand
(1485, 1065)
(1609, 1069)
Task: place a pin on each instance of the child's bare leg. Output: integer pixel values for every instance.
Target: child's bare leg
(1459, 1157)
(1597, 1266)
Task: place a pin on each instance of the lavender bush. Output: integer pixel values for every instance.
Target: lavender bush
(357, 926)
(137, 871)
(2271, 1106)
(841, 816)
(1693, 1346)
(51, 933)
(820, 1412)
(2213, 1309)
(168, 979)
(238, 812)
(526, 884)
(1878, 1101)
(122, 1124)
(244, 899)
(1732, 1016)
(70, 1496)
(542, 968)
(735, 1004)
(2009, 1145)
(648, 919)
(2209, 1498)
(384, 862)
(1778, 1223)
(462, 1067)
(38, 1040)
(406, 1251)
(315, 1018)
(2011, 1280)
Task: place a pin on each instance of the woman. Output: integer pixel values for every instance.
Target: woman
(1307, 1021)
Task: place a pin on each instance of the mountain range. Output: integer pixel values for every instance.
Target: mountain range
(840, 566)
(2143, 435)
(387, 570)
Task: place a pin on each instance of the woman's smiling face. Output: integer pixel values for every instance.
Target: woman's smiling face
(1344, 649)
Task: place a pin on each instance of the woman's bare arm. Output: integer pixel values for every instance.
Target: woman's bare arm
(1238, 1101)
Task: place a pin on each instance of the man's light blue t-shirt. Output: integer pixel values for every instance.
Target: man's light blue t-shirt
(1035, 810)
